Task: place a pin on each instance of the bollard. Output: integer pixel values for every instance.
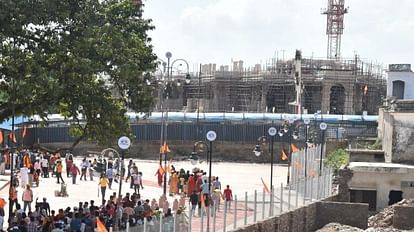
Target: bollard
(174, 221)
(161, 221)
(225, 216)
(289, 195)
(202, 220)
(214, 217)
(235, 212)
(281, 198)
(127, 227)
(245, 208)
(145, 224)
(264, 204)
(190, 218)
(255, 206)
(111, 229)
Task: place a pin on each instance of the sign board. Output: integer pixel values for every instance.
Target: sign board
(272, 131)
(124, 142)
(211, 136)
(323, 126)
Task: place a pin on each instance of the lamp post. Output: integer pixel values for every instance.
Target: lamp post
(123, 143)
(306, 121)
(201, 146)
(323, 126)
(257, 150)
(13, 96)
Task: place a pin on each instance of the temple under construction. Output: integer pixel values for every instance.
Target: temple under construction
(308, 85)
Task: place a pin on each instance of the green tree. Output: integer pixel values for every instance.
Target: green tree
(88, 60)
(337, 158)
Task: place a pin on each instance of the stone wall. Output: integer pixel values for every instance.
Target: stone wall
(403, 216)
(352, 214)
(314, 216)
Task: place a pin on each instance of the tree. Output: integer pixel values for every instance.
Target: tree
(88, 60)
(336, 159)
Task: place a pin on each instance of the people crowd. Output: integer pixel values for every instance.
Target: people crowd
(115, 211)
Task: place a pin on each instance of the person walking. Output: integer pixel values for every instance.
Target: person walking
(69, 164)
(103, 183)
(194, 202)
(45, 166)
(59, 170)
(84, 167)
(27, 198)
(74, 171)
(228, 197)
(13, 194)
(110, 176)
(90, 170)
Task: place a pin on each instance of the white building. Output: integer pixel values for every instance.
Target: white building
(400, 81)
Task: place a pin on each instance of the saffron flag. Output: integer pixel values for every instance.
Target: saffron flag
(294, 148)
(24, 132)
(284, 156)
(12, 137)
(100, 226)
(164, 148)
(265, 186)
(161, 170)
(1, 136)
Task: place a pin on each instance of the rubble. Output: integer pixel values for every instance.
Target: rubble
(331, 227)
(384, 218)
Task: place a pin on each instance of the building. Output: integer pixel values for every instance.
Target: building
(328, 86)
(383, 183)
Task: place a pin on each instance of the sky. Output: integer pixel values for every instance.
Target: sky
(219, 31)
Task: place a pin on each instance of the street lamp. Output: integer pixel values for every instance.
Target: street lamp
(12, 138)
(202, 146)
(261, 141)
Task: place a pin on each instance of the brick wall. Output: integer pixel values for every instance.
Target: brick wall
(403, 216)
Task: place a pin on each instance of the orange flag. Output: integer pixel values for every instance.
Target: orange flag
(284, 156)
(24, 132)
(12, 137)
(161, 170)
(265, 186)
(100, 226)
(294, 148)
(1, 136)
(164, 148)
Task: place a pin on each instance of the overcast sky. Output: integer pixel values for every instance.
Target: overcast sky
(217, 31)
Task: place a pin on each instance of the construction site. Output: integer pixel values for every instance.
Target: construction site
(331, 85)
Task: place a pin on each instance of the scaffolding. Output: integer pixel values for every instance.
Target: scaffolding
(345, 86)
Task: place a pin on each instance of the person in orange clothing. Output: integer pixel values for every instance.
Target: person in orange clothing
(190, 185)
(174, 183)
(27, 162)
(59, 170)
(13, 195)
(160, 174)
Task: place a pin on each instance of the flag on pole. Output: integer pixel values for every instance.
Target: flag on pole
(1, 136)
(12, 137)
(294, 148)
(24, 132)
(100, 226)
(161, 170)
(265, 186)
(164, 148)
(284, 156)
